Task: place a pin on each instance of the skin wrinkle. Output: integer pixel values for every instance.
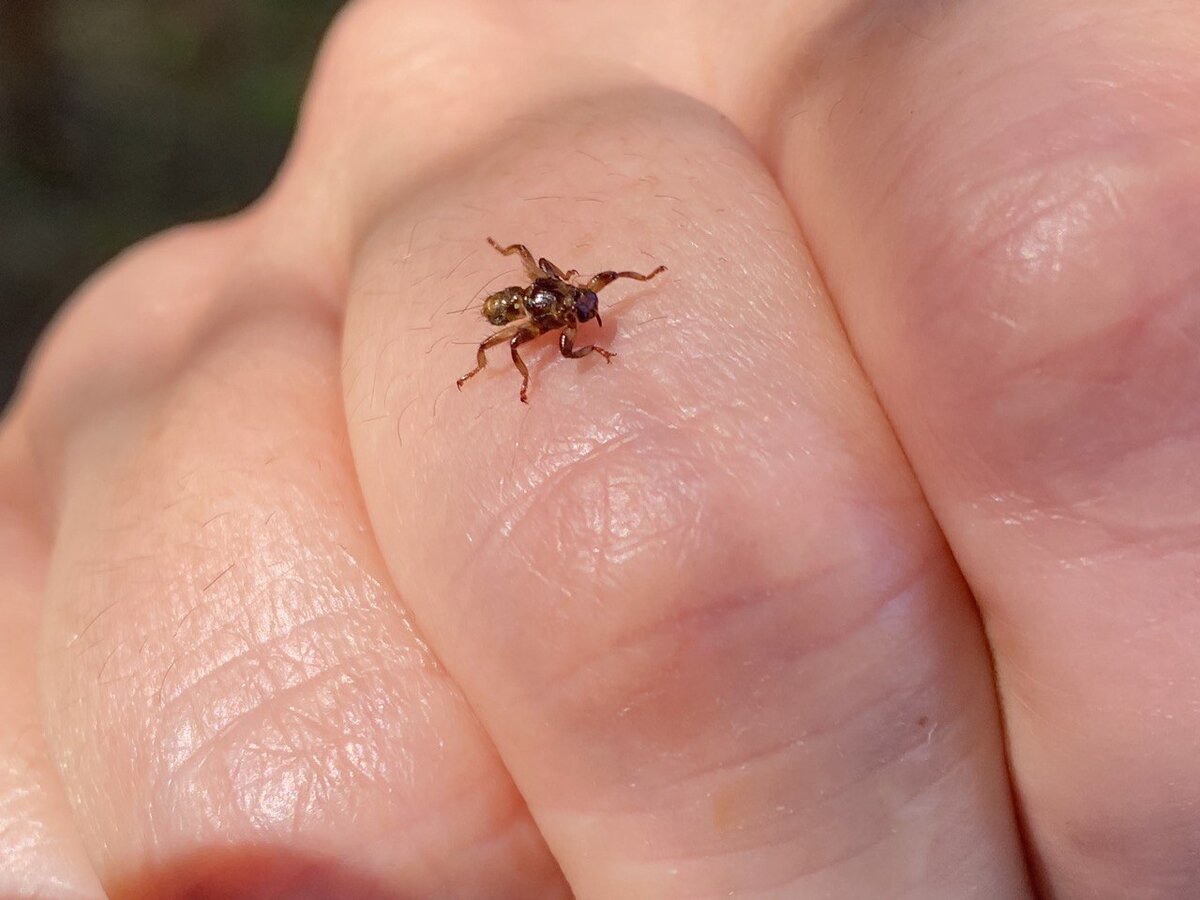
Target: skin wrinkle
(672, 521)
(860, 847)
(269, 784)
(844, 719)
(574, 468)
(868, 711)
(265, 650)
(867, 841)
(263, 662)
(250, 643)
(710, 615)
(532, 494)
(282, 780)
(760, 758)
(279, 707)
(236, 603)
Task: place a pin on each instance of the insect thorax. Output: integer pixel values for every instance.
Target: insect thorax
(549, 300)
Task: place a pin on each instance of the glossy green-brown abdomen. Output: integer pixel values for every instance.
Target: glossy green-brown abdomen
(505, 306)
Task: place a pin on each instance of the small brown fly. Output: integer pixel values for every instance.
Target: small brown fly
(551, 300)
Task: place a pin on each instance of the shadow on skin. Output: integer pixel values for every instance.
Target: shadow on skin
(246, 873)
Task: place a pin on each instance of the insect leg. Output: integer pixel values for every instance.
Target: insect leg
(524, 333)
(552, 270)
(604, 279)
(531, 267)
(481, 357)
(566, 344)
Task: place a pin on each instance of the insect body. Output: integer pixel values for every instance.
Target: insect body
(552, 300)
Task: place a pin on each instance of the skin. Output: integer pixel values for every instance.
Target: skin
(869, 571)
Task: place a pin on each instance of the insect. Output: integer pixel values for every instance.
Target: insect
(551, 300)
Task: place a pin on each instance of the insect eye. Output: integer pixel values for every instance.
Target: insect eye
(586, 305)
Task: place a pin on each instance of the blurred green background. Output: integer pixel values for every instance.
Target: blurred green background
(121, 117)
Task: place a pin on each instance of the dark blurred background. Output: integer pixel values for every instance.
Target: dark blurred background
(121, 117)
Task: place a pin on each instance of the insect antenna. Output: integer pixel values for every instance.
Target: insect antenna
(472, 304)
(459, 312)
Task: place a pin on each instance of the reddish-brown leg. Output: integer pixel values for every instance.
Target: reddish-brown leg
(566, 343)
(552, 270)
(531, 267)
(604, 279)
(524, 333)
(481, 356)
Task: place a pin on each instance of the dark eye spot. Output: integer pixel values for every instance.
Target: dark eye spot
(586, 305)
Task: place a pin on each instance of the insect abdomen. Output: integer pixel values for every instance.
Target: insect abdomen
(505, 306)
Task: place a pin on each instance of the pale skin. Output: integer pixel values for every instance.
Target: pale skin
(868, 571)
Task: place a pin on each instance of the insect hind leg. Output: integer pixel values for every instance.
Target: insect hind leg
(481, 354)
(524, 333)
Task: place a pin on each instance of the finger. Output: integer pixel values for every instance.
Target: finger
(40, 851)
(694, 595)
(1023, 177)
(233, 689)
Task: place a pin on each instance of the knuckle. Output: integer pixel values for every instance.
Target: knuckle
(128, 327)
(136, 309)
(693, 589)
(1057, 287)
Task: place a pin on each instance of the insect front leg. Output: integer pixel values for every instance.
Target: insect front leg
(481, 355)
(531, 267)
(566, 344)
(604, 279)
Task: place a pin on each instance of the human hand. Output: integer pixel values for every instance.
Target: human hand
(719, 619)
